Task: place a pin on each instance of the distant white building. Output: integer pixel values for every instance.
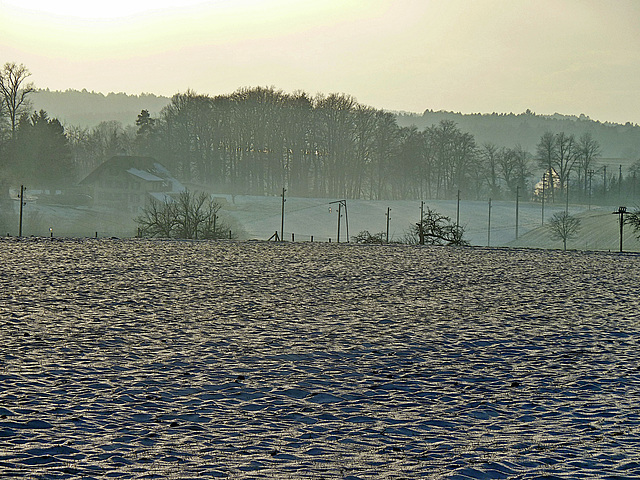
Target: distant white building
(544, 185)
(128, 183)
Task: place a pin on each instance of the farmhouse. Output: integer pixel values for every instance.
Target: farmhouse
(128, 183)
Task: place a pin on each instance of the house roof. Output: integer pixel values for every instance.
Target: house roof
(149, 177)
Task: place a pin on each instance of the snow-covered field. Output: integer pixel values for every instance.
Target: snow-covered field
(164, 359)
(261, 217)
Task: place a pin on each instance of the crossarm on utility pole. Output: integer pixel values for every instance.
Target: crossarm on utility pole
(621, 211)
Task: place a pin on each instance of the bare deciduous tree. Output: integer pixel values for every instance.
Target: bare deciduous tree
(564, 226)
(489, 155)
(158, 219)
(438, 229)
(514, 168)
(588, 151)
(368, 238)
(546, 151)
(193, 216)
(633, 219)
(15, 91)
(565, 158)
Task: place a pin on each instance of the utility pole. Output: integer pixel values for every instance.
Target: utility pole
(566, 207)
(388, 218)
(590, 173)
(339, 216)
(342, 203)
(346, 218)
(22, 189)
(517, 207)
(458, 212)
(489, 226)
(544, 181)
(421, 224)
(282, 217)
(604, 188)
(621, 211)
(620, 183)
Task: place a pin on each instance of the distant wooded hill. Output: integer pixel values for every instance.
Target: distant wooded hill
(88, 109)
(525, 129)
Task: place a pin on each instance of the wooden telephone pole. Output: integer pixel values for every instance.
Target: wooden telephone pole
(489, 226)
(22, 203)
(517, 208)
(388, 218)
(282, 217)
(621, 211)
(342, 203)
(421, 224)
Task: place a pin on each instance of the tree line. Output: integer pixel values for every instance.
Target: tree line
(259, 140)
(616, 140)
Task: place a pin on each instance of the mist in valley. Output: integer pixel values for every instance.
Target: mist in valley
(243, 148)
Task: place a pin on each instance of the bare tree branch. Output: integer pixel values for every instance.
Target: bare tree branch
(14, 91)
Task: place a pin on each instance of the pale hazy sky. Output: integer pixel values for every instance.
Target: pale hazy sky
(566, 56)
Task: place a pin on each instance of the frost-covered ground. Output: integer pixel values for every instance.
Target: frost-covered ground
(260, 217)
(151, 359)
(254, 217)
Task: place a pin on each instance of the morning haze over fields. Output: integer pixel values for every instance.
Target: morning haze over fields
(319, 239)
(345, 99)
(328, 100)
